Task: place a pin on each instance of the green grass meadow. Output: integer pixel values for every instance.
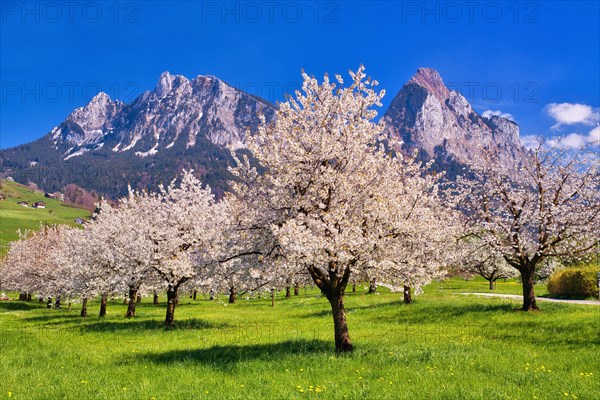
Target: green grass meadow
(443, 346)
(14, 217)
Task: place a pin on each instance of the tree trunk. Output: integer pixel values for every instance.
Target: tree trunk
(49, 303)
(334, 287)
(131, 307)
(272, 297)
(343, 343)
(296, 290)
(103, 301)
(354, 288)
(232, 295)
(57, 302)
(28, 296)
(125, 299)
(22, 296)
(155, 298)
(171, 303)
(41, 299)
(138, 298)
(288, 292)
(492, 284)
(195, 294)
(529, 302)
(84, 307)
(407, 295)
(372, 286)
(211, 295)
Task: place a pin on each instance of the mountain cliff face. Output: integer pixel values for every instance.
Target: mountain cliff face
(107, 144)
(182, 123)
(442, 125)
(176, 110)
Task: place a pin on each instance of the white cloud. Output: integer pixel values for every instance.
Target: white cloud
(594, 135)
(497, 113)
(569, 114)
(573, 140)
(577, 140)
(531, 141)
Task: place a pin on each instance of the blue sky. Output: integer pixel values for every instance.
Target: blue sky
(538, 61)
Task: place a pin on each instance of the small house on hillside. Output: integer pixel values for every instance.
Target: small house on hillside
(79, 221)
(39, 204)
(23, 203)
(49, 195)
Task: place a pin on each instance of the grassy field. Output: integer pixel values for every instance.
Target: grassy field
(444, 346)
(14, 217)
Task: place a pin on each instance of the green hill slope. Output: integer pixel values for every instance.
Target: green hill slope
(14, 216)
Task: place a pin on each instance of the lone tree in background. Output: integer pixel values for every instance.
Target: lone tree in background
(481, 259)
(330, 197)
(549, 208)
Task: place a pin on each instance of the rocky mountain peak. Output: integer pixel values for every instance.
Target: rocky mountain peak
(164, 85)
(91, 120)
(168, 83)
(442, 125)
(101, 99)
(430, 80)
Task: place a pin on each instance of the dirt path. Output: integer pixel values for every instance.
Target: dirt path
(515, 296)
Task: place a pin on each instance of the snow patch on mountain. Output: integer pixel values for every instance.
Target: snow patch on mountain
(77, 153)
(150, 152)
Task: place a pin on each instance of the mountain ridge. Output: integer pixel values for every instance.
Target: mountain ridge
(189, 123)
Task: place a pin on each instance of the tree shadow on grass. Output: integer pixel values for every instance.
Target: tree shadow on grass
(319, 314)
(224, 357)
(117, 324)
(148, 325)
(17, 306)
(56, 317)
(424, 313)
(561, 334)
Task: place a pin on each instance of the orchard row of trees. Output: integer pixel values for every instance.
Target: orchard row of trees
(324, 196)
